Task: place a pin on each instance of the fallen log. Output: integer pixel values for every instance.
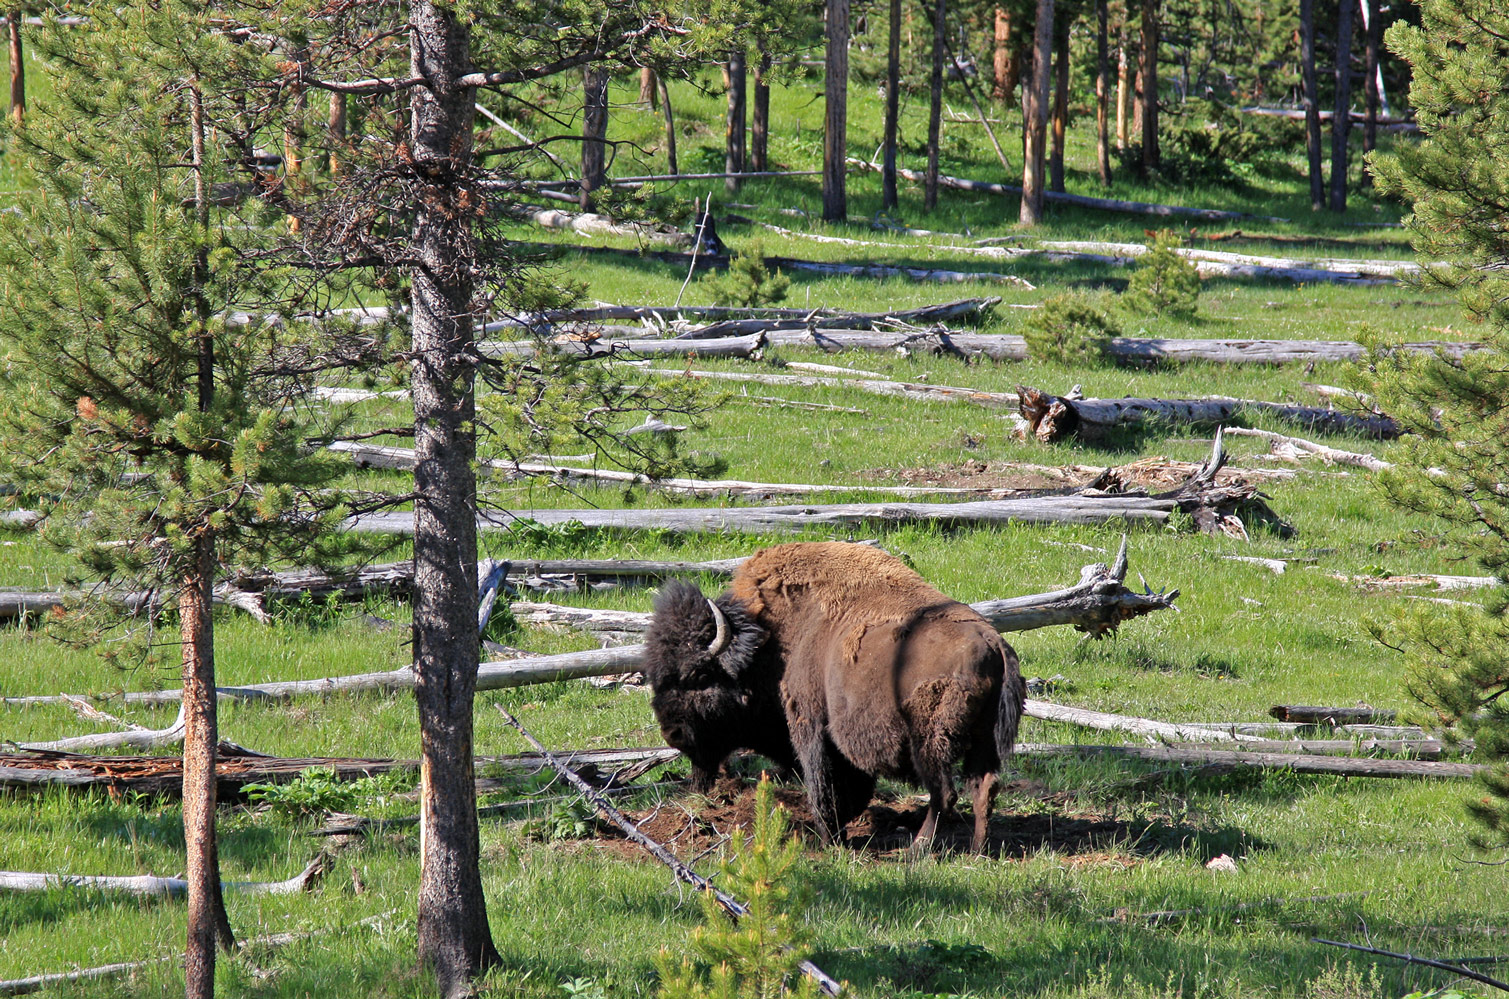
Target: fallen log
(1050, 418)
(1097, 605)
(1082, 201)
(1309, 715)
(1292, 448)
(590, 224)
(735, 909)
(730, 318)
(1421, 579)
(918, 391)
(21, 603)
(1226, 760)
(596, 347)
(1345, 266)
(1146, 727)
(146, 884)
(135, 737)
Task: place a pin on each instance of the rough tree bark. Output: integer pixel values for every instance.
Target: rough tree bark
(836, 113)
(1060, 105)
(1371, 26)
(1102, 95)
(17, 66)
(1341, 120)
(1123, 85)
(935, 106)
(1035, 101)
(594, 131)
(888, 198)
(648, 92)
(759, 124)
(670, 126)
(734, 123)
(1149, 82)
(454, 937)
(1001, 63)
(1312, 102)
(335, 131)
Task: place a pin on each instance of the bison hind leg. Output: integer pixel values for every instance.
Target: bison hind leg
(983, 790)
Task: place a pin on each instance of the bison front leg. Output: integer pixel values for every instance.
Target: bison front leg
(837, 791)
(984, 789)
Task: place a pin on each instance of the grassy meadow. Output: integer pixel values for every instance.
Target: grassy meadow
(1097, 844)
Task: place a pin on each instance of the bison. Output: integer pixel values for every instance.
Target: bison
(841, 659)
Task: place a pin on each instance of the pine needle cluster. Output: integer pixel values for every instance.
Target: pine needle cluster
(1163, 282)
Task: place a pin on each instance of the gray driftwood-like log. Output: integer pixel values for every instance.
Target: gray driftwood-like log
(1145, 727)
(20, 603)
(1294, 448)
(1050, 418)
(728, 319)
(1234, 759)
(591, 224)
(592, 347)
(135, 737)
(1313, 715)
(146, 884)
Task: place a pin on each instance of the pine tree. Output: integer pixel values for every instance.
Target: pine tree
(155, 432)
(1452, 464)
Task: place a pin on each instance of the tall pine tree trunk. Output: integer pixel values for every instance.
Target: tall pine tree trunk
(335, 131)
(594, 131)
(888, 196)
(1002, 56)
(293, 130)
(1312, 102)
(1123, 86)
(648, 92)
(935, 106)
(1035, 125)
(734, 126)
(1341, 119)
(1102, 95)
(1371, 26)
(17, 66)
(1060, 106)
(836, 112)
(1149, 82)
(454, 937)
(670, 126)
(759, 124)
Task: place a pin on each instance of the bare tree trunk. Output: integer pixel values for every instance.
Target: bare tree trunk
(1002, 61)
(670, 126)
(759, 131)
(1102, 95)
(1372, 28)
(888, 197)
(594, 131)
(293, 130)
(454, 937)
(1035, 104)
(836, 115)
(1150, 28)
(1341, 119)
(1312, 102)
(1060, 106)
(17, 66)
(648, 91)
(935, 106)
(734, 124)
(1123, 86)
(335, 131)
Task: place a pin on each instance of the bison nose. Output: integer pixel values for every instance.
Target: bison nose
(676, 736)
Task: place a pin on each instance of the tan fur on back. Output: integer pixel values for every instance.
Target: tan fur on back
(867, 584)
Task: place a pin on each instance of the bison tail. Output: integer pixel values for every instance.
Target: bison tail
(1013, 702)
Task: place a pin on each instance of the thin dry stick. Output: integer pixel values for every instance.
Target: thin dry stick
(731, 905)
(696, 244)
(1412, 959)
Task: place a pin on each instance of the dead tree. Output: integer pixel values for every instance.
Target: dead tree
(1035, 106)
(1341, 119)
(836, 112)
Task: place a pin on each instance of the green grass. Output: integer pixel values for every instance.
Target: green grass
(1389, 857)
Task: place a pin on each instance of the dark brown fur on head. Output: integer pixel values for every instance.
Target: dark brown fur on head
(708, 706)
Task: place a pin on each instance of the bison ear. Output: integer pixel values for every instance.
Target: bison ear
(746, 639)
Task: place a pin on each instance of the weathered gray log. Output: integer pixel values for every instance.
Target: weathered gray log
(1264, 351)
(1230, 759)
(1419, 749)
(1146, 727)
(919, 391)
(1105, 204)
(730, 316)
(1293, 447)
(136, 737)
(22, 603)
(590, 224)
(599, 347)
(1051, 418)
(1307, 714)
(146, 884)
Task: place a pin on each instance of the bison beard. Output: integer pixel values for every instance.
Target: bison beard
(843, 659)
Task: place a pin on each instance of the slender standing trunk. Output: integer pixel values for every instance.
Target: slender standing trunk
(1002, 60)
(207, 920)
(1123, 86)
(1035, 102)
(1060, 106)
(734, 126)
(335, 131)
(1102, 95)
(454, 937)
(293, 131)
(759, 125)
(836, 112)
(1371, 27)
(1341, 119)
(647, 89)
(670, 126)
(935, 106)
(594, 131)
(1150, 28)
(888, 198)
(17, 66)
(1312, 102)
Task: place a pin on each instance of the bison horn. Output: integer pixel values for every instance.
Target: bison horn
(722, 637)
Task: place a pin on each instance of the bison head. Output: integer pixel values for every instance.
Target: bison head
(712, 689)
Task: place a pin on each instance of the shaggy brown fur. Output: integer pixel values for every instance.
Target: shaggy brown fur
(879, 675)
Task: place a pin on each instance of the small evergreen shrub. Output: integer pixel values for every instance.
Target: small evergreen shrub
(748, 282)
(1069, 328)
(1163, 283)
